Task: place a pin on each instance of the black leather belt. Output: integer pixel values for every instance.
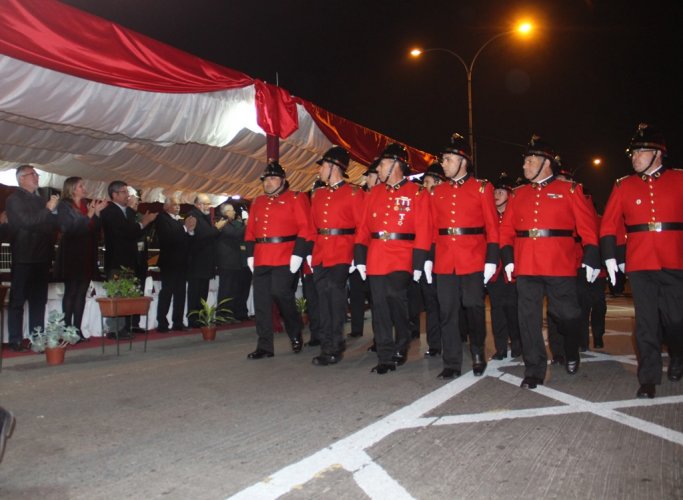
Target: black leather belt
(276, 239)
(326, 231)
(655, 226)
(544, 233)
(384, 235)
(457, 231)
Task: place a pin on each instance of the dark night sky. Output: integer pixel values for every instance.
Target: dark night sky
(592, 72)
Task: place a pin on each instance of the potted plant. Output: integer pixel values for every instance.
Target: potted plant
(209, 315)
(124, 295)
(54, 339)
(301, 305)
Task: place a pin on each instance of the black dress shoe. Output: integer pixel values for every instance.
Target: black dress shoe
(163, 329)
(382, 368)
(400, 357)
(572, 367)
(478, 365)
(327, 359)
(515, 354)
(17, 346)
(125, 335)
(297, 345)
(372, 348)
(137, 329)
(675, 371)
(499, 356)
(179, 328)
(531, 382)
(598, 343)
(646, 391)
(312, 343)
(558, 360)
(259, 353)
(355, 335)
(448, 373)
(431, 352)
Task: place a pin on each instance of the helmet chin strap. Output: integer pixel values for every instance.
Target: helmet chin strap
(455, 175)
(275, 191)
(538, 172)
(391, 170)
(654, 157)
(329, 175)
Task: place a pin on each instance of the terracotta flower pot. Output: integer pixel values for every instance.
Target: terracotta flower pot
(55, 355)
(208, 333)
(124, 306)
(305, 318)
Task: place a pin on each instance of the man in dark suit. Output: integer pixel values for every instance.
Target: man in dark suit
(33, 228)
(202, 255)
(229, 261)
(174, 246)
(121, 233)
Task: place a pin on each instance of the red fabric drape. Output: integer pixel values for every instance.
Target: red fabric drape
(275, 110)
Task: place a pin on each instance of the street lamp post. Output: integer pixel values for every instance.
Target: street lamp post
(523, 28)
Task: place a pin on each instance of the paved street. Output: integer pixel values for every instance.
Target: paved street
(190, 419)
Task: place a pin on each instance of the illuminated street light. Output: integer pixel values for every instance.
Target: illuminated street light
(597, 162)
(522, 29)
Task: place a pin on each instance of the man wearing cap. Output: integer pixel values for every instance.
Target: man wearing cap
(649, 203)
(278, 237)
(503, 293)
(432, 178)
(392, 242)
(336, 210)
(537, 244)
(465, 234)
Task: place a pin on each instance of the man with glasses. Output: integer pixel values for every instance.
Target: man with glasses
(648, 202)
(121, 234)
(33, 228)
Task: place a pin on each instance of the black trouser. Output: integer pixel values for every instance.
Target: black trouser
(239, 304)
(173, 285)
(358, 291)
(431, 306)
(275, 284)
(657, 297)
(330, 283)
(28, 282)
(504, 319)
(312, 306)
(555, 339)
(228, 285)
(593, 310)
(389, 311)
(73, 302)
(415, 307)
(563, 306)
(456, 291)
(197, 289)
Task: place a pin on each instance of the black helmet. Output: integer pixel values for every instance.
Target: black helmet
(395, 151)
(458, 146)
(338, 156)
(647, 137)
(436, 170)
(539, 147)
(372, 168)
(503, 182)
(273, 169)
(564, 171)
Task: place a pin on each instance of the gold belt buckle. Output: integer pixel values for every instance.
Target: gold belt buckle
(450, 231)
(325, 231)
(383, 235)
(533, 233)
(654, 226)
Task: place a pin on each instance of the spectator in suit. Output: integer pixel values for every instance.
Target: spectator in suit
(202, 265)
(174, 245)
(33, 227)
(143, 251)
(229, 261)
(76, 261)
(121, 233)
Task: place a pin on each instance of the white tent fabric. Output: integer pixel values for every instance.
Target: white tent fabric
(157, 142)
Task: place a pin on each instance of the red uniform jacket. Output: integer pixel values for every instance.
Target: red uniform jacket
(286, 215)
(389, 210)
(462, 206)
(334, 208)
(642, 203)
(553, 205)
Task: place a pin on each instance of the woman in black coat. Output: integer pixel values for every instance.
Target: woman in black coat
(76, 261)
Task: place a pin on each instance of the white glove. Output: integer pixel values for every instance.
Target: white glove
(611, 265)
(352, 267)
(591, 274)
(489, 271)
(429, 267)
(250, 263)
(509, 268)
(295, 263)
(417, 274)
(622, 268)
(362, 270)
(309, 260)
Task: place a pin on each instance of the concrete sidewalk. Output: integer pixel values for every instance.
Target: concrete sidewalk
(190, 419)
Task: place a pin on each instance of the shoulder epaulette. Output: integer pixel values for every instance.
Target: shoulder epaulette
(573, 186)
(621, 179)
(482, 187)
